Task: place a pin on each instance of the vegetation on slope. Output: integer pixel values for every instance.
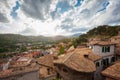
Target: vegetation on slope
(101, 32)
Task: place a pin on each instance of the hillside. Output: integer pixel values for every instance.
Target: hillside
(101, 32)
(8, 41)
(15, 38)
(104, 30)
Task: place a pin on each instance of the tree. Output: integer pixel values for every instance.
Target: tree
(61, 50)
(23, 48)
(75, 43)
(3, 56)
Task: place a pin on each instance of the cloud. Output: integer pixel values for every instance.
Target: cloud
(38, 9)
(91, 14)
(110, 16)
(5, 9)
(57, 17)
(28, 31)
(3, 18)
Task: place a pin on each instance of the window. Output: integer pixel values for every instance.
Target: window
(113, 59)
(48, 70)
(65, 70)
(102, 62)
(91, 47)
(97, 64)
(103, 49)
(106, 49)
(106, 62)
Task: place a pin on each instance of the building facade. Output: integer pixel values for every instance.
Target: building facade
(107, 52)
(32, 75)
(78, 65)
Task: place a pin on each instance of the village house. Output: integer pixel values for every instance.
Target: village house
(78, 65)
(20, 68)
(1, 65)
(107, 52)
(116, 39)
(27, 68)
(28, 72)
(46, 67)
(104, 49)
(20, 62)
(34, 53)
(112, 72)
(101, 54)
(96, 39)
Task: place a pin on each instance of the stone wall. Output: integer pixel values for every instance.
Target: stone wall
(26, 76)
(68, 74)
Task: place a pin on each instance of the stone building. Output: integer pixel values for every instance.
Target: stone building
(46, 67)
(74, 64)
(78, 65)
(25, 68)
(21, 73)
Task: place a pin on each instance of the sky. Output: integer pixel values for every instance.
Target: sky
(56, 17)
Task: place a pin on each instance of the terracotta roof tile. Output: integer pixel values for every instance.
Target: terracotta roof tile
(77, 61)
(116, 37)
(46, 60)
(102, 43)
(113, 71)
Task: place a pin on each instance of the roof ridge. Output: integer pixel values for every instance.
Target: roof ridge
(68, 57)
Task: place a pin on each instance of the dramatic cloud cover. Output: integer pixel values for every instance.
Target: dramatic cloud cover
(56, 17)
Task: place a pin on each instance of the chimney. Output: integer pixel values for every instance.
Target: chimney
(86, 55)
(119, 33)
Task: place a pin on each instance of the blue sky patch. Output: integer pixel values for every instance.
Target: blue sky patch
(79, 2)
(14, 9)
(63, 5)
(104, 6)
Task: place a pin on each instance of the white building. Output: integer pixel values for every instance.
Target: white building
(107, 52)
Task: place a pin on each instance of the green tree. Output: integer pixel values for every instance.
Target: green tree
(61, 50)
(23, 48)
(3, 56)
(75, 43)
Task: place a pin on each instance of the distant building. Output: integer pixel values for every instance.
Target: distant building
(116, 39)
(94, 39)
(20, 73)
(1, 65)
(20, 62)
(46, 70)
(112, 72)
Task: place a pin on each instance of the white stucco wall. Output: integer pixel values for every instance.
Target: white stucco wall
(97, 73)
(98, 50)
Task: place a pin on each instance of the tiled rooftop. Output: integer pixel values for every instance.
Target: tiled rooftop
(77, 61)
(17, 71)
(113, 71)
